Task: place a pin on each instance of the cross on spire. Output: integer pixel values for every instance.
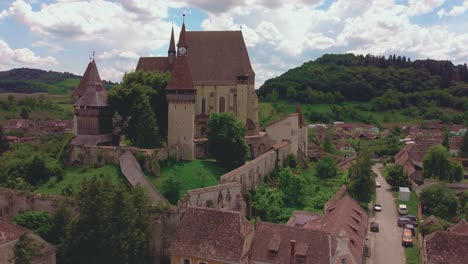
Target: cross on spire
(93, 54)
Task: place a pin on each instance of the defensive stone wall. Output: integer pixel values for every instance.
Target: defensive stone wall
(222, 196)
(251, 174)
(101, 155)
(13, 202)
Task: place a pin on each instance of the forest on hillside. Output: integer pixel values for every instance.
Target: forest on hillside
(25, 80)
(389, 83)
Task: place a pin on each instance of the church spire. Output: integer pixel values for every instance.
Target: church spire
(182, 40)
(171, 53)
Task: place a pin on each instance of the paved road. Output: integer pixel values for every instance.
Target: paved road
(386, 246)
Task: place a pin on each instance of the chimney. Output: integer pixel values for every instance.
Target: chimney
(293, 247)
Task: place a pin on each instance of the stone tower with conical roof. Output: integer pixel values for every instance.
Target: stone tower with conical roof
(93, 115)
(181, 95)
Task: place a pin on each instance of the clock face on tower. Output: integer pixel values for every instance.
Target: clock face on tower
(182, 50)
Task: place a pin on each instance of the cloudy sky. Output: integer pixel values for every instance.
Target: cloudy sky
(62, 34)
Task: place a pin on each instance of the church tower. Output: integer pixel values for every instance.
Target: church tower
(171, 53)
(93, 114)
(181, 95)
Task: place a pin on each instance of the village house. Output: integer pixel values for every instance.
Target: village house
(9, 235)
(207, 235)
(345, 147)
(457, 130)
(450, 246)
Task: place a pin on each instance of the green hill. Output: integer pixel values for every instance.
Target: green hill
(26, 80)
(425, 89)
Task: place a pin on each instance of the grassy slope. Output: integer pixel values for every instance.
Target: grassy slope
(194, 174)
(74, 177)
(63, 101)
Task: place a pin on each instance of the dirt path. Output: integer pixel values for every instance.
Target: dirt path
(386, 246)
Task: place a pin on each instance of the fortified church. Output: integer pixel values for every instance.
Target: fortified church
(210, 73)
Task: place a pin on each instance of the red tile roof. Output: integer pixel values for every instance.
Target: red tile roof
(10, 231)
(446, 247)
(81, 89)
(345, 214)
(172, 43)
(211, 233)
(272, 244)
(181, 76)
(460, 227)
(95, 94)
(455, 143)
(215, 57)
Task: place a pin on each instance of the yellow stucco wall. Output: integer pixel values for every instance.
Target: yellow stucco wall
(181, 128)
(240, 99)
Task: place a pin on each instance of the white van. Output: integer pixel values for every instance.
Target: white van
(402, 209)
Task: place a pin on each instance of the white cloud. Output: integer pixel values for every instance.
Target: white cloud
(3, 14)
(455, 11)
(51, 46)
(11, 58)
(421, 7)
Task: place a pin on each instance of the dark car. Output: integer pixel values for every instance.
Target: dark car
(374, 227)
(412, 217)
(404, 221)
(410, 227)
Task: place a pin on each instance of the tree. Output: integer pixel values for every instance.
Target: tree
(141, 95)
(24, 113)
(25, 250)
(4, 144)
(362, 184)
(436, 163)
(328, 143)
(142, 129)
(267, 203)
(326, 168)
(464, 147)
(226, 140)
(171, 189)
(38, 221)
(397, 177)
(439, 200)
(112, 225)
(60, 220)
(292, 186)
(446, 141)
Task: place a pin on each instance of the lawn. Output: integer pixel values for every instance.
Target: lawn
(412, 253)
(74, 176)
(192, 174)
(317, 191)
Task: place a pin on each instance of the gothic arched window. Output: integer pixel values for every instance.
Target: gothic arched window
(222, 104)
(203, 106)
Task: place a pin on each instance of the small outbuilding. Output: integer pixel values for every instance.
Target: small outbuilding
(404, 194)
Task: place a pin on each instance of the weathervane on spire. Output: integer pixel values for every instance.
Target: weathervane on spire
(240, 27)
(183, 18)
(93, 54)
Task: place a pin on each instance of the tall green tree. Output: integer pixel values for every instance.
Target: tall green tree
(439, 200)
(397, 177)
(328, 145)
(326, 168)
(267, 203)
(446, 141)
(437, 164)
(464, 147)
(142, 129)
(112, 225)
(226, 141)
(139, 94)
(38, 221)
(4, 144)
(25, 250)
(362, 183)
(292, 186)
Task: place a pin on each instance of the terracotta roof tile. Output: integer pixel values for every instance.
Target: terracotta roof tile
(215, 57)
(460, 227)
(315, 245)
(211, 233)
(446, 247)
(81, 89)
(95, 94)
(181, 76)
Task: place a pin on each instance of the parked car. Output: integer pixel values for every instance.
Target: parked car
(407, 238)
(374, 227)
(377, 207)
(412, 217)
(403, 221)
(377, 184)
(410, 227)
(402, 209)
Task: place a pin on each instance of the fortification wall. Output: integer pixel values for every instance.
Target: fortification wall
(13, 202)
(285, 128)
(251, 174)
(101, 155)
(222, 196)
